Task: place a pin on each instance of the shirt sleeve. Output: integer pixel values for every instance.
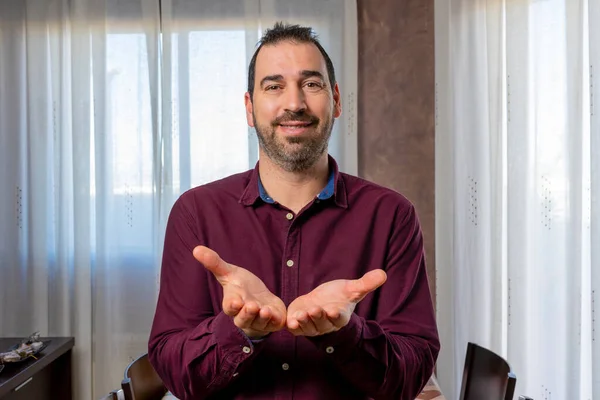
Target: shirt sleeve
(195, 352)
(392, 356)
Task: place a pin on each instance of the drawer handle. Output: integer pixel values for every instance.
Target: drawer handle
(23, 384)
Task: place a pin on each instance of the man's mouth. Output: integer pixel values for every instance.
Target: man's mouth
(296, 124)
(295, 127)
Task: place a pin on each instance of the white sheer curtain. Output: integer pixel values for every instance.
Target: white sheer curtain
(518, 189)
(109, 109)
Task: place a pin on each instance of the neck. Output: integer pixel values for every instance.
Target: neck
(293, 190)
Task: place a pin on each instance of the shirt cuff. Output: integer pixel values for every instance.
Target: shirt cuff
(235, 347)
(258, 340)
(341, 345)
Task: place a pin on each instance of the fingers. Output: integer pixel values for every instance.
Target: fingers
(316, 321)
(320, 320)
(306, 324)
(301, 324)
(246, 316)
(312, 323)
(269, 319)
(277, 320)
(251, 316)
(357, 289)
(232, 304)
(212, 261)
(262, 322)
(335, 316)
(292, 323)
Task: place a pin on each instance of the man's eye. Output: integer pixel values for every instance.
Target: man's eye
(272, 87)
(314, 85)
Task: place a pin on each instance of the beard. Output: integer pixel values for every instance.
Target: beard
(295, 153)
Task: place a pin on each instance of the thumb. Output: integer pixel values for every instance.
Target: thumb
(212, 261)
(370, 281)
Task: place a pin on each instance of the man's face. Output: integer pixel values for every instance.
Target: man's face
(293, 106)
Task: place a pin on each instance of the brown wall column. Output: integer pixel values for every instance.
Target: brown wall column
(396, 107)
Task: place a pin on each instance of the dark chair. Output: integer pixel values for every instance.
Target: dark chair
(487, 376)
(111, 396)
(141, 381)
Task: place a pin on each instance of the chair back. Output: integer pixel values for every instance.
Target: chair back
(486, 376)
(111, 396)
(141, 381)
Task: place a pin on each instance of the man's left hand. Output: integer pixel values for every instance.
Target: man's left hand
(329, 307)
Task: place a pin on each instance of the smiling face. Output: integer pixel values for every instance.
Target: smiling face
(293, 106)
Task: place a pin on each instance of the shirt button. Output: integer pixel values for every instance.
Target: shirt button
(290, 263)
(246, 349)
(329, 349)
(285, 366)
(289, 216)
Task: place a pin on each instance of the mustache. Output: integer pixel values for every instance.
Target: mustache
(295, 117)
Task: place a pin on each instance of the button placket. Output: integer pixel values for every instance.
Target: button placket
(290, 263)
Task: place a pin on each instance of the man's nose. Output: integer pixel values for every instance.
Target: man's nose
(295, 100)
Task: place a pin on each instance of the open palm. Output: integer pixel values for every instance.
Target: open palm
(329, 306)
(246, 298)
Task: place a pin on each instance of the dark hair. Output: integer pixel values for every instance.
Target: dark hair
(285, 32)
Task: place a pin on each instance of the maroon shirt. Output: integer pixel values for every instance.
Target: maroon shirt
(387, 350)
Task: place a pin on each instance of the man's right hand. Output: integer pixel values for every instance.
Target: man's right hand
(254, 309)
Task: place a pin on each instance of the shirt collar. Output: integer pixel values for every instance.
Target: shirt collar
(335, 188)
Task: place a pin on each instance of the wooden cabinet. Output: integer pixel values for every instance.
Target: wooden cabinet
(48, 377)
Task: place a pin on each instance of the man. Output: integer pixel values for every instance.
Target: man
(299, 309)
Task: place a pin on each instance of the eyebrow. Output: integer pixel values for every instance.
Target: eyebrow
(274, 78)
(310, 73)
(304, 73)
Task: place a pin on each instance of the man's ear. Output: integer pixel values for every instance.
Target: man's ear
(249, 108)
(337, 101)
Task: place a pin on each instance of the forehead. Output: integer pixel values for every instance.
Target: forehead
(289, 59)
